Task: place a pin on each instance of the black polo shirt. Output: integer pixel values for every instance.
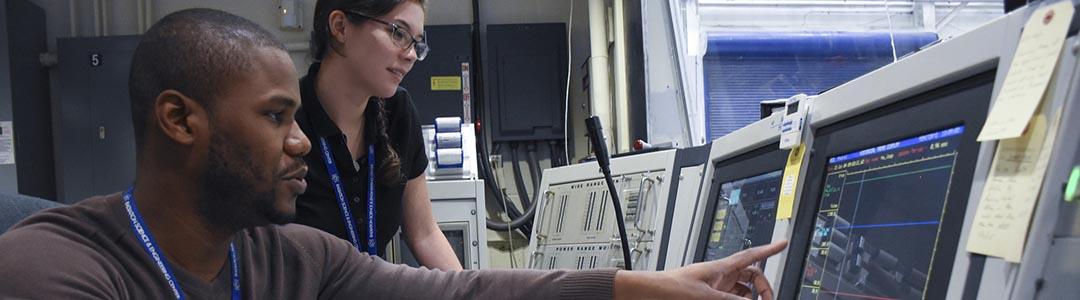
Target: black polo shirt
(318, 206)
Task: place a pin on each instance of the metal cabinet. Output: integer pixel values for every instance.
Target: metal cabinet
(94, 136)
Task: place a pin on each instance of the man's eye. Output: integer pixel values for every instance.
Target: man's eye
(276, 116)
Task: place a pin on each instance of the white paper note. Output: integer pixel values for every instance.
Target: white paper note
(1016, 174)
(1029, 73)
(7, 143)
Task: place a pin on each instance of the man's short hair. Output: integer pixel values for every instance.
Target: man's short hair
(197, 52)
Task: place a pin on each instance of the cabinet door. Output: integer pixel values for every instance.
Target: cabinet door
(112, 148)
(95, 141)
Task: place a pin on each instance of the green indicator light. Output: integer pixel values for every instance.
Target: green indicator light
(1070, 189)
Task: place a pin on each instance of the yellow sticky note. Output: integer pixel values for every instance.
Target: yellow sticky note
(445, 83)
(789, 183)
(1005, 207)
(1029, 73)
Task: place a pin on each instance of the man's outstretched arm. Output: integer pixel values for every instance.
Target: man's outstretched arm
(733, 277)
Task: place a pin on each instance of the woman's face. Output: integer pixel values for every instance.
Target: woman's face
(377, 63)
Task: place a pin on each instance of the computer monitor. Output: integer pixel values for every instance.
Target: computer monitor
(741, 210)
(744, 216)
(885, 197)
(740, 158)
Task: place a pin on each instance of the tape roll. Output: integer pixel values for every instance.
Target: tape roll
(445, 140)
(449, 157)
(448, 124)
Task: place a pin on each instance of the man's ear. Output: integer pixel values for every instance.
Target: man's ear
(179, 117)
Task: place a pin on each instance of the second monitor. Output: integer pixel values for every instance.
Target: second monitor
(741, 210)
(745, 215)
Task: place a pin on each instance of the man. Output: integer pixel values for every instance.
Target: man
(218, 167)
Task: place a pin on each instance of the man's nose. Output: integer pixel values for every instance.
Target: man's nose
(297, 144)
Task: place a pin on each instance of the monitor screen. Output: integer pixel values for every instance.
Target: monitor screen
(739, 210)
(879, 217)
(745, 215)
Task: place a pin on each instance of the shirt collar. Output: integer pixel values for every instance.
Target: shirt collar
(316, 114)
(313, 109)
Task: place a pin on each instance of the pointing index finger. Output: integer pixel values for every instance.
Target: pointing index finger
(745, 258)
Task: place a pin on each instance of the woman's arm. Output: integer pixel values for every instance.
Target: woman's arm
(426, 240)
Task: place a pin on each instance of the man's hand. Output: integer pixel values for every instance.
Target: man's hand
(730, 278)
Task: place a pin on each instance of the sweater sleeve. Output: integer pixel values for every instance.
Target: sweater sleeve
(349, 274)
(44, 261)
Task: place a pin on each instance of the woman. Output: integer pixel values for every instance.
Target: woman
(355, 113)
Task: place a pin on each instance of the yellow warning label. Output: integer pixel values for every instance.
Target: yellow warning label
(445, 83)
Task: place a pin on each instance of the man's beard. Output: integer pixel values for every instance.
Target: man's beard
(230, 196)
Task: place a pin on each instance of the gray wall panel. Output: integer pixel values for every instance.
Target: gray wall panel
(30, 102)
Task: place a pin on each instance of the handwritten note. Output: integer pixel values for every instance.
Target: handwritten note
(1012, 189)
(790, 180)
(1029, 73)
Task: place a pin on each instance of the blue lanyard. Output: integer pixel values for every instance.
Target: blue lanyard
(343, 204)
(150, 245)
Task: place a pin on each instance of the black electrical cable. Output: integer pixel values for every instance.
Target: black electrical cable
(557, 149)
(519, 183)
(525, 225)
(477, 63)
(560, 148)
(534, 165)
(563, 160)
(493, 185)
(556, 157)
(519, 221)
(596, 136)
(618, 217)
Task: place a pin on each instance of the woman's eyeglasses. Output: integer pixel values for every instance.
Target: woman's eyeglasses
(400, 36)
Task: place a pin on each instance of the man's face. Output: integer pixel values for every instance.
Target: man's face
(255, 167)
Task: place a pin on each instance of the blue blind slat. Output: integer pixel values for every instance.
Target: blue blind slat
(743, 69)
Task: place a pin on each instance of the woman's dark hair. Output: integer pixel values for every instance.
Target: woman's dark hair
(389, 163)
(321, 40)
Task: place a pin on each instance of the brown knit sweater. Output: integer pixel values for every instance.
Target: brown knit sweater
(88, 251)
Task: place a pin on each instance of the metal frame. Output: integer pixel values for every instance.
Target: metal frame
(459, 204)
(1055, 233)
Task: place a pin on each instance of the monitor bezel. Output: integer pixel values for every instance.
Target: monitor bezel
(923, 113)
(769, 158)
(684, 158)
